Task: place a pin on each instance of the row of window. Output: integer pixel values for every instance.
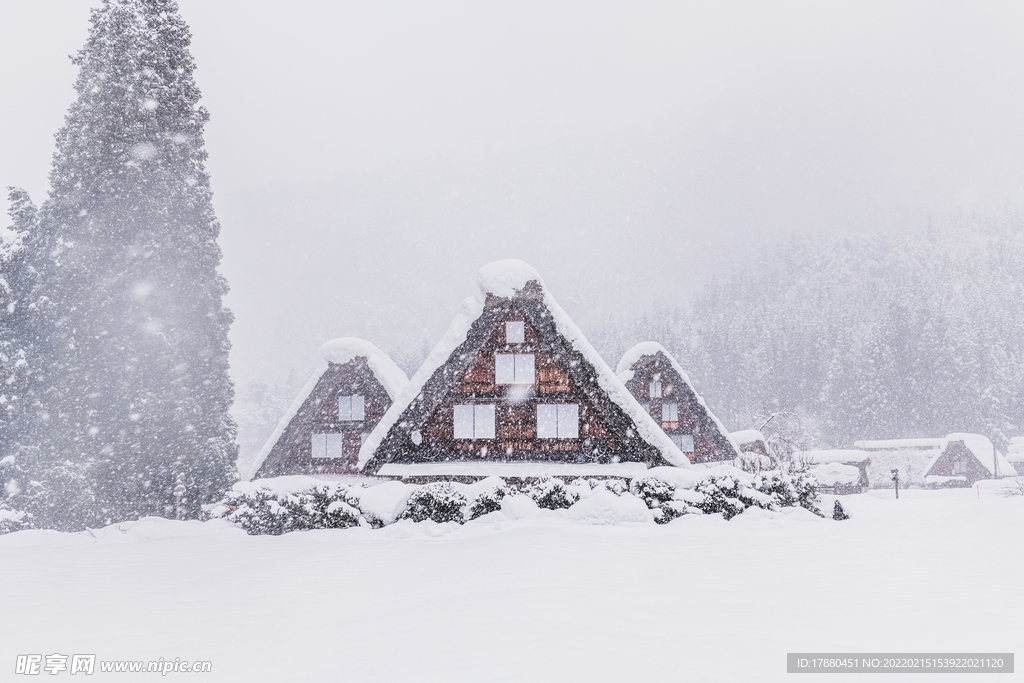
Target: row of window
(554, 421)
(329, 445)
(669, 412)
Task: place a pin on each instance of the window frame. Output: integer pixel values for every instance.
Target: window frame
(564, 417)
(350, 400)
(481, 419)
(522, 365)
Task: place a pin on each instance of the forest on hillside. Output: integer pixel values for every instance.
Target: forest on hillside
(858, 337)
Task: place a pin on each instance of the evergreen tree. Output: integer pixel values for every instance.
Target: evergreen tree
(137, 388)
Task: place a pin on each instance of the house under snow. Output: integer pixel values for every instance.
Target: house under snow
(839, 471)
(514, 389)
(348, 393)
(964, 459)
(664, 390)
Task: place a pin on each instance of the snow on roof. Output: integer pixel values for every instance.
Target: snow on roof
(898, 444)
(983, 450)
(338, 351)
(506, 279)
(747, 436)
(624, 371)
(1017, 440)
(347, 349)
(848, 455)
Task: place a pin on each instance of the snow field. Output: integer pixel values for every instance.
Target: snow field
(529, 596)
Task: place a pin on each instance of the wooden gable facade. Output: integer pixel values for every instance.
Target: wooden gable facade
(324, 433)
(516, 390)
(672, 402)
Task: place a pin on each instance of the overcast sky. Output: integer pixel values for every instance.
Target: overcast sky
(368, 157)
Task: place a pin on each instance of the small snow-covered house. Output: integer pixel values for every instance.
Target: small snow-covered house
(751, 441)
(839, 471)
(659, 384)
(514, 389)
(348, 393)
(965, 459)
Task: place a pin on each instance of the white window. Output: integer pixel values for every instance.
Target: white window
(656, 386)
(683, 441)
(328, 445)
(515, 332)
(474, 421)
(351, 408)
(559, 421)
(670, 412)
(646, 407)
(513, 368)
(959, 467)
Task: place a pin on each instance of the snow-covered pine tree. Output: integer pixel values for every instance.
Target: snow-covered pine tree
(138, 384)
(13, 278)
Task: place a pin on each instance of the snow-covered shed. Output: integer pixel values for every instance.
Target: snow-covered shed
(751, 441)
(514, 388)
(965, 459)
(839, 471)
(351, 389)
(662, 387)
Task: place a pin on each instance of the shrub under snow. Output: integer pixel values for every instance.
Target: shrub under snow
(489, 500)
(12, 520)
(437, 501)
(551, 494)
(770, 490)
(266, 512)
(789, 490)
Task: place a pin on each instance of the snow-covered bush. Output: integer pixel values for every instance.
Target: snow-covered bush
(322, 507)
(724, 494)
(769, 490)
(669, 510)
(838, 513)
(489, 500)
(551, 494)
(652, 491)
(258, 512)
(437, 501)
(616, 486)
(789, 490)
(266, 512)
(12, 520)
(659, 495)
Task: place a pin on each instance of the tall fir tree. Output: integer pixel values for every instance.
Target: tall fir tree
(137, 390)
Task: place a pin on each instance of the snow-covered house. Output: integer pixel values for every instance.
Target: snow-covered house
(839, 471)
(751, 441)
(348, 393)
(965, 459)
(515, 389)
(659, 384)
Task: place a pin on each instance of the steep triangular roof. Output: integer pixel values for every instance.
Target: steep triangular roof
(338, 351)
(983, 451)
(634, 357)
(503, 284)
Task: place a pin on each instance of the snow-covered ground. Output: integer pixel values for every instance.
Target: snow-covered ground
(538, 598)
